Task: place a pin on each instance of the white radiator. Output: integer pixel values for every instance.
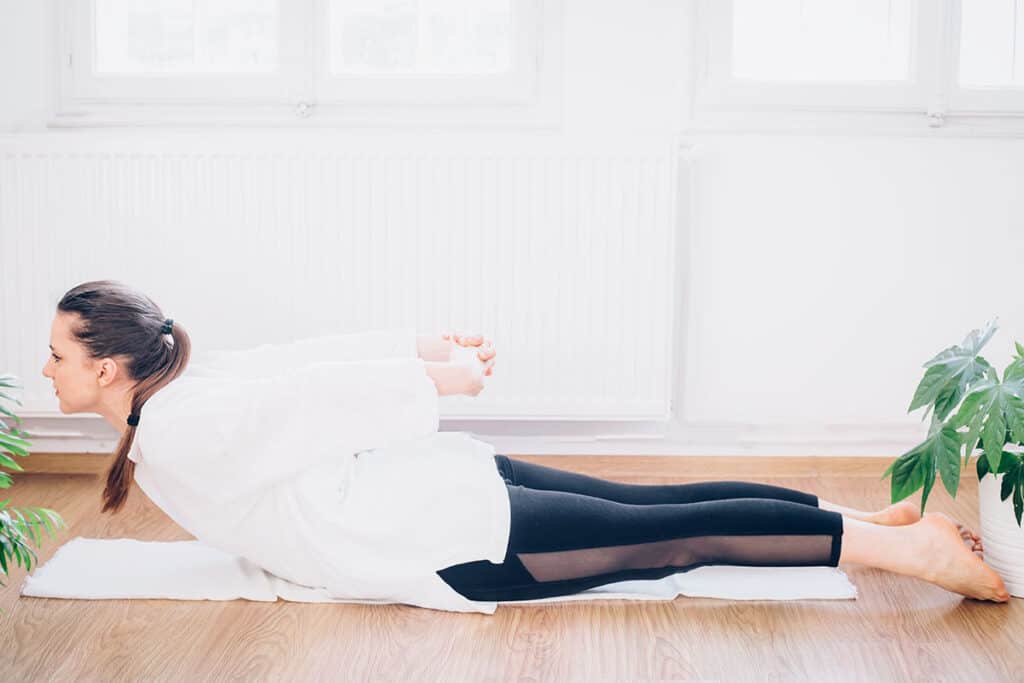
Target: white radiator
(561, 252)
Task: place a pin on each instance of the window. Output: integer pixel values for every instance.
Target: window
(302, 56)
(937, 57)
(990, 33)
(428, 50)
(828, 40)
(988, 59)
(225, 36)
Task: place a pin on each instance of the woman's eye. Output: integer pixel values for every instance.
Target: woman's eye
(54, 357)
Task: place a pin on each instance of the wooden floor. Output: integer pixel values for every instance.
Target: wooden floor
(898, 629)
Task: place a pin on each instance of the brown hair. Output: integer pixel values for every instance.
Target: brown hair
(119, 321)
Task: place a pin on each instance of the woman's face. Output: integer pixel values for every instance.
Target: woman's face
(75, 377)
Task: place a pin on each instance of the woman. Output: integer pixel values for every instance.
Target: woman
(320, 461)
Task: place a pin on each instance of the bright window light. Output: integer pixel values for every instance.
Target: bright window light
(186, 36)
(822, 40)
(420, 36)
(991, 43)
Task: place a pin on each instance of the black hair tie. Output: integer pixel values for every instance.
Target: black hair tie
(133, 419)
(166, 329)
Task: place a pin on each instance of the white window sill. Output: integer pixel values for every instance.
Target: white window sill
(881, 123)
(544, 111)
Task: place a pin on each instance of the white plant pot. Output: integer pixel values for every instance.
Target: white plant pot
(1002, 537)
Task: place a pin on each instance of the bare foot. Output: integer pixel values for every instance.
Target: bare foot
(897, 514)
(953, 565)
(906, 512)
(971, 539)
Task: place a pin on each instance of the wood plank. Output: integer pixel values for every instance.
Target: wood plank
(653, 467)
(899, 628)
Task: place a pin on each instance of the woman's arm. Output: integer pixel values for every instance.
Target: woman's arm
(282, 358)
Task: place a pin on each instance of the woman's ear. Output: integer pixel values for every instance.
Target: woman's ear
(108, 371)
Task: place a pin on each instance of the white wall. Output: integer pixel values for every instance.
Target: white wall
(825, 271)
(819, 272)
(24, 64)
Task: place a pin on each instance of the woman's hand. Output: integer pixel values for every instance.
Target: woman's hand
(463, 375)
(486, 351)
(474, 369)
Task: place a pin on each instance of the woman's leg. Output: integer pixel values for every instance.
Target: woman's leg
(562, 543)
(542, 477)
(547, 478)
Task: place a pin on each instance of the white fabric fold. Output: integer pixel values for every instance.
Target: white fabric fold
(98, 568)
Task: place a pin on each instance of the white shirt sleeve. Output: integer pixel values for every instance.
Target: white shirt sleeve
(243, 436)
(269, 359)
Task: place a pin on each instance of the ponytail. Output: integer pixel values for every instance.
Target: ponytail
(122, 472)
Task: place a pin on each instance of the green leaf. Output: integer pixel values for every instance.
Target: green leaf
(916, 468)
(9, 397)
(931, 385)
(9, 462)
(1007, 462)
(972, 414)
(14, 439)
(53, 521)
(970, 346)
(951, 371)
(949, 396)
(1009, 479)
(907, 476)
(1020, 349)
(12, 446)
(927, 463)
(993, 436)
(1014, 372)
(981, 466)
(947, 456)
(889, 469)
(1018, 501)
(10, 414)
(971, 407)
(36, 522)
(988, 411)
(1014, 387)
(1013, 410)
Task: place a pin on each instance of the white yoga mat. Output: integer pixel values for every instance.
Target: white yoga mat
(103, 568)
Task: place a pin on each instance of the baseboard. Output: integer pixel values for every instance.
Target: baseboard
(636, 467)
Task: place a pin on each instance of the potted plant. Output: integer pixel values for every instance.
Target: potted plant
(973, 409)
(14, 533)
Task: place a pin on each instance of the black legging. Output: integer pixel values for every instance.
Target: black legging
(571, 532)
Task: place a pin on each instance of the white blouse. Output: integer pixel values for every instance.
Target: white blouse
(320, 461)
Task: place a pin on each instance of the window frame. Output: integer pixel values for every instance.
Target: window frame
(304, 89)
(932, 89)
(515, 87)
(81, 85)
(1001, 100)
(717, 89)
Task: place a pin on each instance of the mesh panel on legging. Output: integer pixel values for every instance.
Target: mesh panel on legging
(563, 542)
